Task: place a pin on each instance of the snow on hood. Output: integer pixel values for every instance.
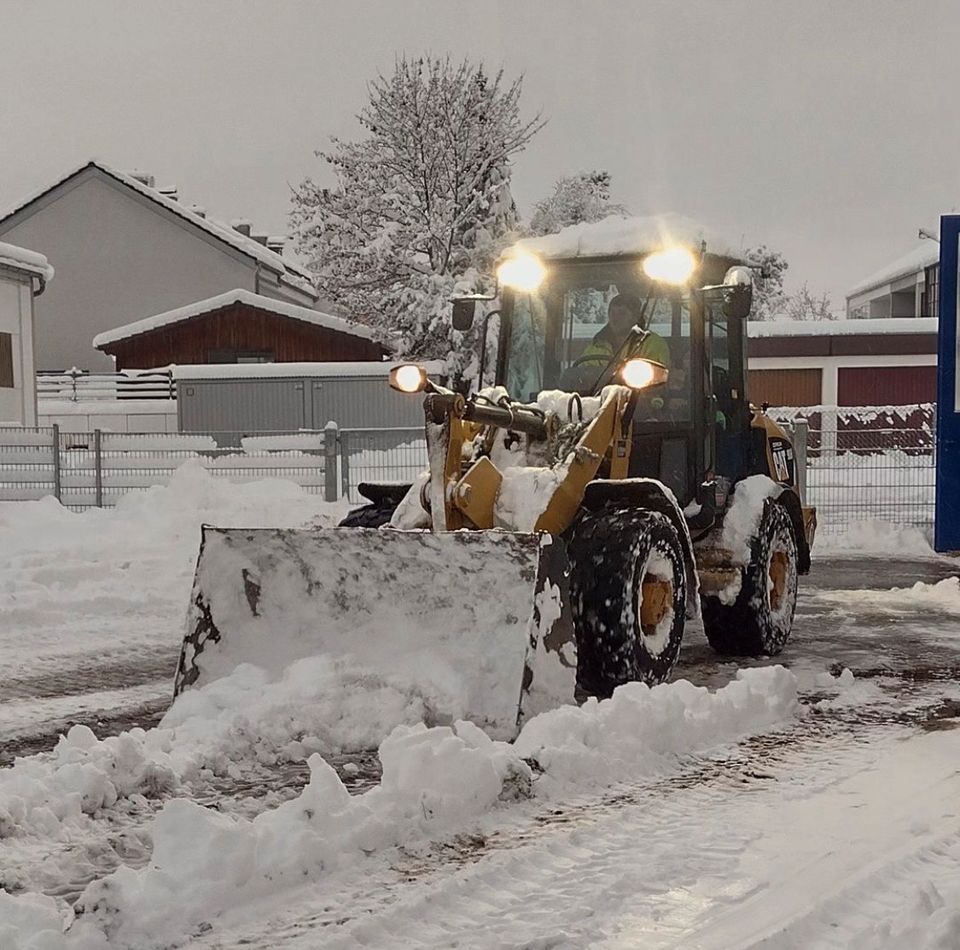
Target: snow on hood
(617, 235)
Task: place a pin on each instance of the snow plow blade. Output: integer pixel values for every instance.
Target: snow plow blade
(474, 622)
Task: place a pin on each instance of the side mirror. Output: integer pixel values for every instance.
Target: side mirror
(464, 311)
(738, 293)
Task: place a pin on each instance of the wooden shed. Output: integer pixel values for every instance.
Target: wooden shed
(239, 327)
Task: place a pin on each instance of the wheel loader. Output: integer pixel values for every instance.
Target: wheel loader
(604, 487)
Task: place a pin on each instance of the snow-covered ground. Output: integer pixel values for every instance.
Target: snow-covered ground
(804, 803)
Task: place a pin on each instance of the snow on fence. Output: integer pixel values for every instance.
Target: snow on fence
(94, 469)
(861, 463)
(79, 386)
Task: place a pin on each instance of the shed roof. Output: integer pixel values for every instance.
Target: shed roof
(19, 258)
(294, 272)
(238, 296)
(345, 369)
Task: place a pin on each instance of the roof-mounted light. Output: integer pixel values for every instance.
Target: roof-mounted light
(521, 271)
(673, 265)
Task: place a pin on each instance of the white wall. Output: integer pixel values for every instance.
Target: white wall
(117, 261)
(18, 405)
(129, 415)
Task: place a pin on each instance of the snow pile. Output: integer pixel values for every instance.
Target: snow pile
(318, 705)
(943, 597)
(617, 235)
(875, 538)
(742, 521)
(640, 730)
(524, 495)
(436, 782)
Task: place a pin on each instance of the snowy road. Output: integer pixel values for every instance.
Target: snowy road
(746, 823)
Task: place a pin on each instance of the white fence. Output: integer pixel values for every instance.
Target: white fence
(78, 386)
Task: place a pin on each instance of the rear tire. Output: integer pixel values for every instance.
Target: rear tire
(627, 597)
(369, 516)
(758, 622)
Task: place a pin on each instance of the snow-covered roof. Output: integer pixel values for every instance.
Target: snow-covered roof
(279, 307)
(925, 254)
(779, 328)
(22, 259)
(618, 235)
(273, 370)
(294, 272)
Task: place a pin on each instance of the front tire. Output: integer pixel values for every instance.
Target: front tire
(368, 516)
(627, 597)
(759, 619)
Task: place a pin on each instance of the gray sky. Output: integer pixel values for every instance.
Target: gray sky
(825, 129)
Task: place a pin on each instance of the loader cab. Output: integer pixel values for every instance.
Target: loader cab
(557, 337)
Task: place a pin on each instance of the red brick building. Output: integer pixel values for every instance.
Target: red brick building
(239, 327)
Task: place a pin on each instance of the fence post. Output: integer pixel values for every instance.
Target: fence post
(57, 481)
(801, 434)
(344, 465)
(330, 434)
(98, 469)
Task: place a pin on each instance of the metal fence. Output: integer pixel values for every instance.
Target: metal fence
(853, 471)
(877, 473)
(94, 469)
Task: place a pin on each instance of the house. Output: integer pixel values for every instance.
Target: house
(126, 250)
(860, 362)
(24, 275)
(906, 287)
(238, 327)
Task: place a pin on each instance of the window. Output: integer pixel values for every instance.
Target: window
(930, 303)
(6, 361)
(240, 356)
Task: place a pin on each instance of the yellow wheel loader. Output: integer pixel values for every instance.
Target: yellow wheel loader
(612, 482)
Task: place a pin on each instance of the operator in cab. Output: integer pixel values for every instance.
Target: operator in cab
(623, 313)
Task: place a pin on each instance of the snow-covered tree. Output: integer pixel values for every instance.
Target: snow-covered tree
(421, 205)
(575, 199)
(769, 266)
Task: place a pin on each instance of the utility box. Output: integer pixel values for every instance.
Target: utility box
(230, 399)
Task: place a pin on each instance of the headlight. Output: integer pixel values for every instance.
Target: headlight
(522, 272)
(408, 378)
(672, 266)
(641, 374)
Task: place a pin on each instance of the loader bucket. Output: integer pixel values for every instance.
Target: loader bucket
(475, 622)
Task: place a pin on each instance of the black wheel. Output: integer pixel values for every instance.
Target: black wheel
(369, 516)
(628, 594)
(758, 620)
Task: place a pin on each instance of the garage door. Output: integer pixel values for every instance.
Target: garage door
(785, 387)
(887, 385)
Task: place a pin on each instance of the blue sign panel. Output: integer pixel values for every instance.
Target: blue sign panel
(947, 527)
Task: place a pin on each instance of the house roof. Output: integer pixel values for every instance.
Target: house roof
(20, 258)
(295, 273)
(912, 262)
(257, 301)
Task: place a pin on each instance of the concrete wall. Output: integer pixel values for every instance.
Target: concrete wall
(118, 260)
(19, 404)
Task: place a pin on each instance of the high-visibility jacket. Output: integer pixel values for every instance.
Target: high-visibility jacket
(654, 347)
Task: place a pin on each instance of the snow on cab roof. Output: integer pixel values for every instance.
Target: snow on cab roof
(292, 271)
(304, 314)
(774, 328)
(273, 370)
(20, 258)
(913, 261)
(620, 236)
